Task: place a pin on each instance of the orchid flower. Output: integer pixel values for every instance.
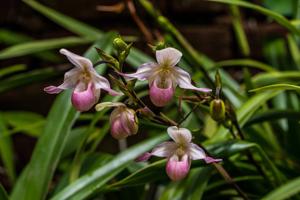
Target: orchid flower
(178, 153)
(164, 76)
(123, 120)
(85, 82)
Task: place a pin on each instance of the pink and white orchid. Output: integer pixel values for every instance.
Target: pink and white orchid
(85, 82)
(164, 76)
(179, 153)
(123, 120)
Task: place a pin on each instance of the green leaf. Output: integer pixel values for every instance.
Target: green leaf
(26, 78)
(91, 162)
(151, 172)
(26, 122)
(73, 140)
(245, 63)
(40, 46)
(285, 191)
(89, 183)
(239, 30)
(277, 87)
(236, 179)
(6, 150)
(231, 147)
(271, 115)
(9, 37)
(269, 78)
(284, 7)
(3, 194)
(277, 17)
(294, 50)
(34, 180)
(190, 188)
(12, 69)
(65, 21)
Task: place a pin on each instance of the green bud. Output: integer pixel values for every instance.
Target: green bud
(119, 44)
(217, 110)
(108, 58)
(158, 46)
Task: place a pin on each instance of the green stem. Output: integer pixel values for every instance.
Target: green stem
(239, 31)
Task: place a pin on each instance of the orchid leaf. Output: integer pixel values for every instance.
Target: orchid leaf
(40, 46)
(277, 87)
(48, 150)
(3, 193)
(245, 63)
(87, 184)
(276, 16)
(6, 150)
(285, 191)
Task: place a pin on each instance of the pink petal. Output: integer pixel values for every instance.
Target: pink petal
(52, 89)
(161, 96)
(143, 72)
(165, 149)
(77, 60)
(184, 81)
(212, 160)
(180, 135)
(83, 100)
(168, 56)
(144, 157)
(178, 169)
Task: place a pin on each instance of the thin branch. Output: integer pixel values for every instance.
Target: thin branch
(138, 21)
(117, 8)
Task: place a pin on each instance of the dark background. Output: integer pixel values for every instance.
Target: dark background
(206, 25)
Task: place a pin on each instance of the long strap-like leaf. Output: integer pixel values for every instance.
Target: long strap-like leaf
(33, 182)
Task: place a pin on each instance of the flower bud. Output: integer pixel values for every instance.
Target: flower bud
(123, 122)
(161, 96)
(119, 44)
(158, 46)
(178, 169)
(217, 110)
(83, 100)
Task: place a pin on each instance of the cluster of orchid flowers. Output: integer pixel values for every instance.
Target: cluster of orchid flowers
(163, 77)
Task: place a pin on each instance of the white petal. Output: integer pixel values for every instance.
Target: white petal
(102, 83)
(143, 72)
(77, 60)
(180, 135)
(101, 106)
(165, 149)
(70, 81)
(195, 152)
(184, 81)
(169, 56)
(71, 78)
